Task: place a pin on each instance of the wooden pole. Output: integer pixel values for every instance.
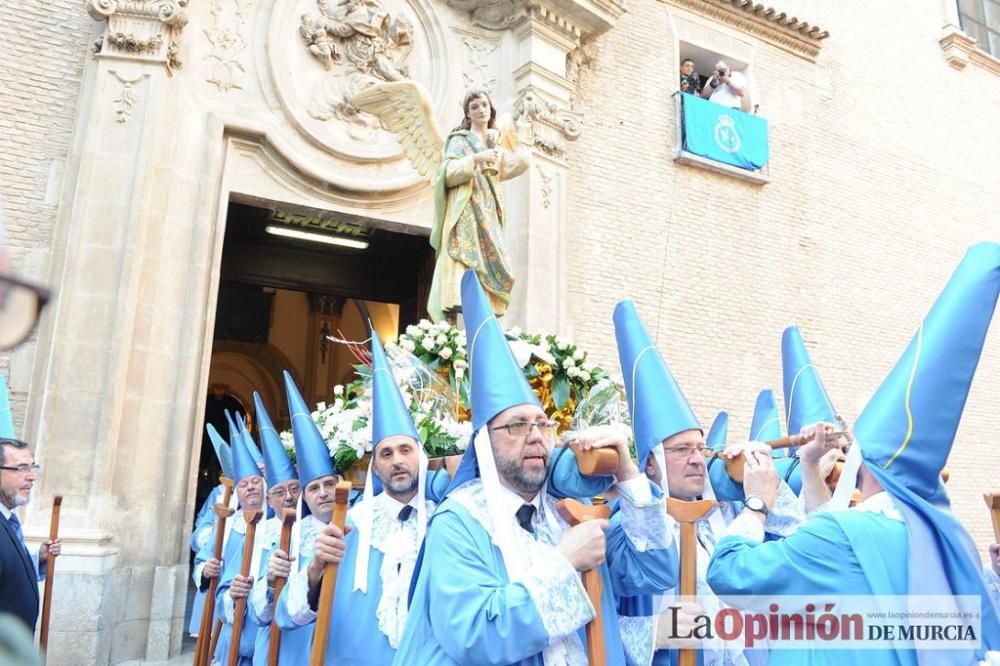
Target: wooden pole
(50, 574)
(203, 647)
(239, 613)
(286, 539)
(687, 513)
(993, 502)
(325, 609)
(574, 513)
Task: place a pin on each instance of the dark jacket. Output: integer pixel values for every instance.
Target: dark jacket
(18, 578)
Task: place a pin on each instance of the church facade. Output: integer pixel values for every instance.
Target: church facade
(137, 135)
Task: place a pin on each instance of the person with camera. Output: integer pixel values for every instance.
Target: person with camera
(690, 79)
(725, 87)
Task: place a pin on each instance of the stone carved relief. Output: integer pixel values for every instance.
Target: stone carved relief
(148, 29)
(578, 63)
(127, 97)
(546, 185)
(552, 127)
(479, 70)
(360, 43)
(491, 14)
(227, 40)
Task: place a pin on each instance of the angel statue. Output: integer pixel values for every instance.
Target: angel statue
(466, 169)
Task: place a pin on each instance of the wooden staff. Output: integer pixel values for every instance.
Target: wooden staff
(574, 513)
(50, 574)
(203, 648)
(286, 539)
(686, 513)
(993, 502)
(325, 609)
(251, 518)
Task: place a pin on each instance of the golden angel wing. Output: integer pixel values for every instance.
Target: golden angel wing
(404, 107)
(507, 138)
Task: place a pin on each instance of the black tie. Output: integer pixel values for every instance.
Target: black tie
(524, 516)
(405, 513)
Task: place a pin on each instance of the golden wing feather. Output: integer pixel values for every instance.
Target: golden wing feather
(404, 107)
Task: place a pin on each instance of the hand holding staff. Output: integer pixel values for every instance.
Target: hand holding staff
(687, 513)
(286, 538)
(239, 615)
(325, 607)
(574, 513)
(50, 574)
(203, 647)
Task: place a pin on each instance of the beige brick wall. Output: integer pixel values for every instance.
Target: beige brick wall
(43, 49)
(883, 172)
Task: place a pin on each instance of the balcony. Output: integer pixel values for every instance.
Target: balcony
(722, 140)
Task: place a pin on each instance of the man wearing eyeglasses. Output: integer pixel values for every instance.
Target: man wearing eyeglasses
(499, 579)
(20, 569)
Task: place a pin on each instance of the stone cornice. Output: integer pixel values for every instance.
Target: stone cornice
(765, 23)
(573, 19)
(960, 49)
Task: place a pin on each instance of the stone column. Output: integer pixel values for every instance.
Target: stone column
(112, 361)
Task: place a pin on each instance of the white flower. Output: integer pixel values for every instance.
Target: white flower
(515, 332)
(568, 363)
(338, 389)
(572, 373)
(461, 364)
(445, 353)
(442, 339)
(459, 373)
(588, 366)
(460, 339)
(427, 343)
(578, 355)
(338, 404)
(522, 351)
(424, 324)
(321, 407)
(407, 345)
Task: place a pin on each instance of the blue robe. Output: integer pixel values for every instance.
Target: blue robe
(205, 519)
(204, 555)
(854, 552)
(230, 568)
(355, 635)
(465, 610)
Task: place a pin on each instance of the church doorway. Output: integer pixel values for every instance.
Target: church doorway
(290, 279)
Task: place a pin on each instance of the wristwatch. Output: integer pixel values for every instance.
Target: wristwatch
(755, 503)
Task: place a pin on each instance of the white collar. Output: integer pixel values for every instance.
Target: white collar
(881, 502)
(7, 513)
(511, 501)
(393, 505)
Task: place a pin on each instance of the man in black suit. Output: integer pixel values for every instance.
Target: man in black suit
(20, 570)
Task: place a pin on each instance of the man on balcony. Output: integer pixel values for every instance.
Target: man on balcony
(725, 87)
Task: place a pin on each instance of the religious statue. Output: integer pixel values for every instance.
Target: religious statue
(466, 168)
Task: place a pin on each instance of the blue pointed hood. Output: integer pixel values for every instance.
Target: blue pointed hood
(719, 432)
(243, 463)
(907, 430)
(498, 382)
(390, 415)
(311, 452)
(766, 424)
(222, 451)
(806, 400)
(252, 447)
(656, 403)
(6, 418)
(277, 467)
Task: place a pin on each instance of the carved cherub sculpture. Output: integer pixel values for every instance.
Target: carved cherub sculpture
(466, 168)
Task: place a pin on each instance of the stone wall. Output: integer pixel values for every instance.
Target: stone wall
(883, 171)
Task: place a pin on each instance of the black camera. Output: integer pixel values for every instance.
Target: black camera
(723, 71)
